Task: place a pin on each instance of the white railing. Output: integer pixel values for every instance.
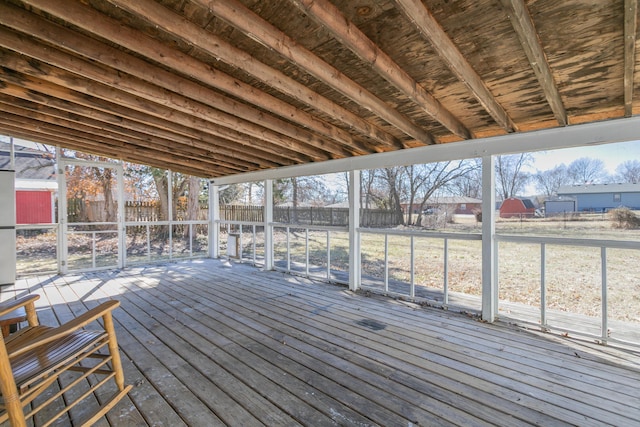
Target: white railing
(290, 260)
(328, 275)
(602, 245)
(170, 237)
(22, 267)
(412, 236)
(242, 227)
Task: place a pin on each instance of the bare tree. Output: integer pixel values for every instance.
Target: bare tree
(587, 170)
(470, 183)
(550, 180)
(629, 172)
(510, 177)
(395, 188)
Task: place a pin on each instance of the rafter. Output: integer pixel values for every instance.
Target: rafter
(630, 28)
(151, 92)
(426, 24)
(262, 31)
(101, 150)
(103, 145)
(67, 101)
(329, 16)
(51, 115)
(336, 140)
(127, 91)
(224, 51)
(525, 28)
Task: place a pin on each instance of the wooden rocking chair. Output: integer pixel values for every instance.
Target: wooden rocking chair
(33, 359)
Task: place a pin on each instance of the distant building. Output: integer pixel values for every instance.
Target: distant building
(459, 205)
(602, 197)
(559, 206)
(35, 183)
(514, 207)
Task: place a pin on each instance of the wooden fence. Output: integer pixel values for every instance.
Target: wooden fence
(311, 215)
(80, 210)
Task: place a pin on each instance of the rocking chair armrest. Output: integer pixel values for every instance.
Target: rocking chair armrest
(28, 302)
(79, 322)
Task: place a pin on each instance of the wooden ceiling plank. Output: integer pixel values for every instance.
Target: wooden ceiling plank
(134, 86)
(44, 138)
(528, 36)
(245, 20)
(630, 28)
(108, 147)
(61, 118)
(280, 145)
(17, 92)
(340, 142)
(224, 51)
(14, 113)
(179, 123)
(418, 14)
(329, 16)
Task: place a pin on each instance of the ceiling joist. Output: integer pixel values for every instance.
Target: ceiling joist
(225, 87)
(630, 28)
(260, 30)
(525, 28)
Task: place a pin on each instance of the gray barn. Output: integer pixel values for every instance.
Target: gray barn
(602, 197)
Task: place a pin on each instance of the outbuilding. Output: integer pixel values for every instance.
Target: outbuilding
(602, 197)
(514, 207)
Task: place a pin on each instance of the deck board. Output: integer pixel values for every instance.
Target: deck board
(208, 345)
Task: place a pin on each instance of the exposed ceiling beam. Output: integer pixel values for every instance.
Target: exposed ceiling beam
(51, 115)
(630, 28)
(424, 21)
(33, 89)
(223, 51)
(91, 20)
(53, 140)
(329, 16)
(22, 96)
(105, 146)
(175, 91)
(123, 88)
(242, 18)
(523, 24)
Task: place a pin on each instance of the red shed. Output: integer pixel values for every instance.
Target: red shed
(33, 207)
(518, 208)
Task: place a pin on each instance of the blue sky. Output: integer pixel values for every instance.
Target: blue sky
(611, 154)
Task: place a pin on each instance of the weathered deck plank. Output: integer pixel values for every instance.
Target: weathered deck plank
(209, 345)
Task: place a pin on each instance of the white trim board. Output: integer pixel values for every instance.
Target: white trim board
(610, 131)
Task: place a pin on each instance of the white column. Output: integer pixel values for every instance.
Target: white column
(122, 229)
(268, 229)
(354, 224)
(214, 215)
(489, 252)
(7, 227)
(62, 212)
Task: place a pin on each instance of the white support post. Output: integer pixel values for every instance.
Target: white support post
(354, 224)
(62, 213)
(489, 253)
(268, 229)
(121, 220)
(170, 211)
(214, 215)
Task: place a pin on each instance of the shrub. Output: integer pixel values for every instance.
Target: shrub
(624, 218)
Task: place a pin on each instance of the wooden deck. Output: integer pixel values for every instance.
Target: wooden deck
(208, 345)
